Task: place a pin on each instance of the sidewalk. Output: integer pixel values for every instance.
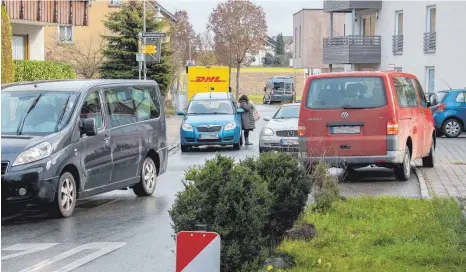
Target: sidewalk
(448, 177)
(173, 130)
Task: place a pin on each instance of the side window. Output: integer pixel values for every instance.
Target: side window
(420, 93)
(92, 108)
(406, 92)
(120, 106)
(461, 98)
(146, 103)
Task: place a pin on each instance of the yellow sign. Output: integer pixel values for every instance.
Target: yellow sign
(149, 49)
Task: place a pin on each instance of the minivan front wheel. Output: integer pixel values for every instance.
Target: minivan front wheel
(146, 186)
(403, 171)
(452, 128)
(65, 199)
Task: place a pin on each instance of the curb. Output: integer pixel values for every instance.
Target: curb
(423, 184)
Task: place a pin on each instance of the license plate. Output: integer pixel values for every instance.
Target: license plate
(345, 130)
(209, 136)
(287, 142)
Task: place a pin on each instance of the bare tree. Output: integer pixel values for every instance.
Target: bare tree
(205, 54)
(240, 28)
(86, 56)
(182, 36)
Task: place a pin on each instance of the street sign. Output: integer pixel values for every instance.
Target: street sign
(197, 251)
(139, 57)
(153, 35)
(149, 49)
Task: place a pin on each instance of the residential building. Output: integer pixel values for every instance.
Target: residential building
(30, 18)
(86, 36)
(425, 38)
(257, 59)
(310, 26)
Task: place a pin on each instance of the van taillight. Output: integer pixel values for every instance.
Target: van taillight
(392, 127)
(301, 129)
(440, 108)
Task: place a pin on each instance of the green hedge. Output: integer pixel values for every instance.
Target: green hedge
(7, 56)
(31, 70)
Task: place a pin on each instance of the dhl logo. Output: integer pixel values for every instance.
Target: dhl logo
(208, 79)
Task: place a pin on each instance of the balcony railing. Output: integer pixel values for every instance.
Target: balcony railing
(349, 5)
(430, 42)
(72, 12)
(352, 49)
(397, 46)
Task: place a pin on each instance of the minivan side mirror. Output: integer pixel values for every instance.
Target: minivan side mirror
(433, 99)
(90, 126)
(180, 112)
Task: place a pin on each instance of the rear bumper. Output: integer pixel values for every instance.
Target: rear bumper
(275, 98)
(392, 157)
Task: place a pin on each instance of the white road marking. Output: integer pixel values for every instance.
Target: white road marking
(26, 248)
(104, 248)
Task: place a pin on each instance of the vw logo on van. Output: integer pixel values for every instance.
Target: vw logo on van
(344, 115)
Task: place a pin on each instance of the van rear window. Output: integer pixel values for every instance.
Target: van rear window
(346, 93)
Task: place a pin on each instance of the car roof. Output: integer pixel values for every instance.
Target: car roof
(360, 73)
(69, 85)
(211, 95)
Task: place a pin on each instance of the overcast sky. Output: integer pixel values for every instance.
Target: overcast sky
(279, 13)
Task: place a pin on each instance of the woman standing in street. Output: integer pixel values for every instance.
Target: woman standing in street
(247, 117)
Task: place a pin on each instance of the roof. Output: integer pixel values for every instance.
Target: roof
(305, 9)
(211, 95)
(360, 73)
(68, 85)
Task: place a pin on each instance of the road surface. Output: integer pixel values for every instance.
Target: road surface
(117, 231)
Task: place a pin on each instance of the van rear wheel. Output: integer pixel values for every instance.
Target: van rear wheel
(403, 170)
(146, 186)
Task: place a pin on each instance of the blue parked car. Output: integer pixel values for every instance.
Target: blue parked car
(449, 112)
(211, 119)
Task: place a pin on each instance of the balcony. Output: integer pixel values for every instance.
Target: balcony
(352, 49)
(430, 42)
(73, 12)
(397, 46)
(348, 6)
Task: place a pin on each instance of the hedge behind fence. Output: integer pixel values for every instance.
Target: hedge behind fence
(7, 57)
(31, 70)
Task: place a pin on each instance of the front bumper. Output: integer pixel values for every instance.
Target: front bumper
(31, 179)
(392, 157)
(272, 143)
(224, 137)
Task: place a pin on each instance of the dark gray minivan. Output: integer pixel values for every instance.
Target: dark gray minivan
(65, 140)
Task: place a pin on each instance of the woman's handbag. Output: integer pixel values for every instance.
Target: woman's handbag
(256, 115)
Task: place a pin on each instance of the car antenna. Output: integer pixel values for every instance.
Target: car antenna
(445, 82)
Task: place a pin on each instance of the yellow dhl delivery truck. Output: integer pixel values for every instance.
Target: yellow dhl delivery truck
(207, 79)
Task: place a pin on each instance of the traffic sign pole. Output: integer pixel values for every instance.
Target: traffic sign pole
(197, 251)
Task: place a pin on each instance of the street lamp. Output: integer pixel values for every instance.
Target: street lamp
(158, 15)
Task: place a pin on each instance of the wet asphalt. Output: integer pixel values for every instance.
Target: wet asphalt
(118, 231)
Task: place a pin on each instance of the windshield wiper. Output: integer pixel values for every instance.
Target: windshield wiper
(23, 118)
(62, 114)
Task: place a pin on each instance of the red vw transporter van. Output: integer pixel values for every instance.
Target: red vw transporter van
(357, 119)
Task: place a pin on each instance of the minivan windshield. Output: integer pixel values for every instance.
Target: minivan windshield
(287, 112)
(35, 112)
(213, 106)
(346, 93)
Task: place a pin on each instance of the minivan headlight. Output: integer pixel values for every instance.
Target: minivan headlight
(230, 126)
(268, 132)
(187, 127)
(35, 153)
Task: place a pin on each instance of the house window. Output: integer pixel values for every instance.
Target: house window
(368, 25)
(20, 46)
(295, 42)
(300, 42)
(65, 34)
(430, 79)
(115, 3)
(399, 22)
(431, 19)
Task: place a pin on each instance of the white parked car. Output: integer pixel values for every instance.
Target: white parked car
(281, 131)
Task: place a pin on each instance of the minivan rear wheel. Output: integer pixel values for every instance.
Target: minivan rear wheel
(65, 198)
(146, 186)
(403, 170)
(429, 161)
(452, 128)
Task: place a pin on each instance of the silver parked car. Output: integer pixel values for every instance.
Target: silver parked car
(281, 132)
